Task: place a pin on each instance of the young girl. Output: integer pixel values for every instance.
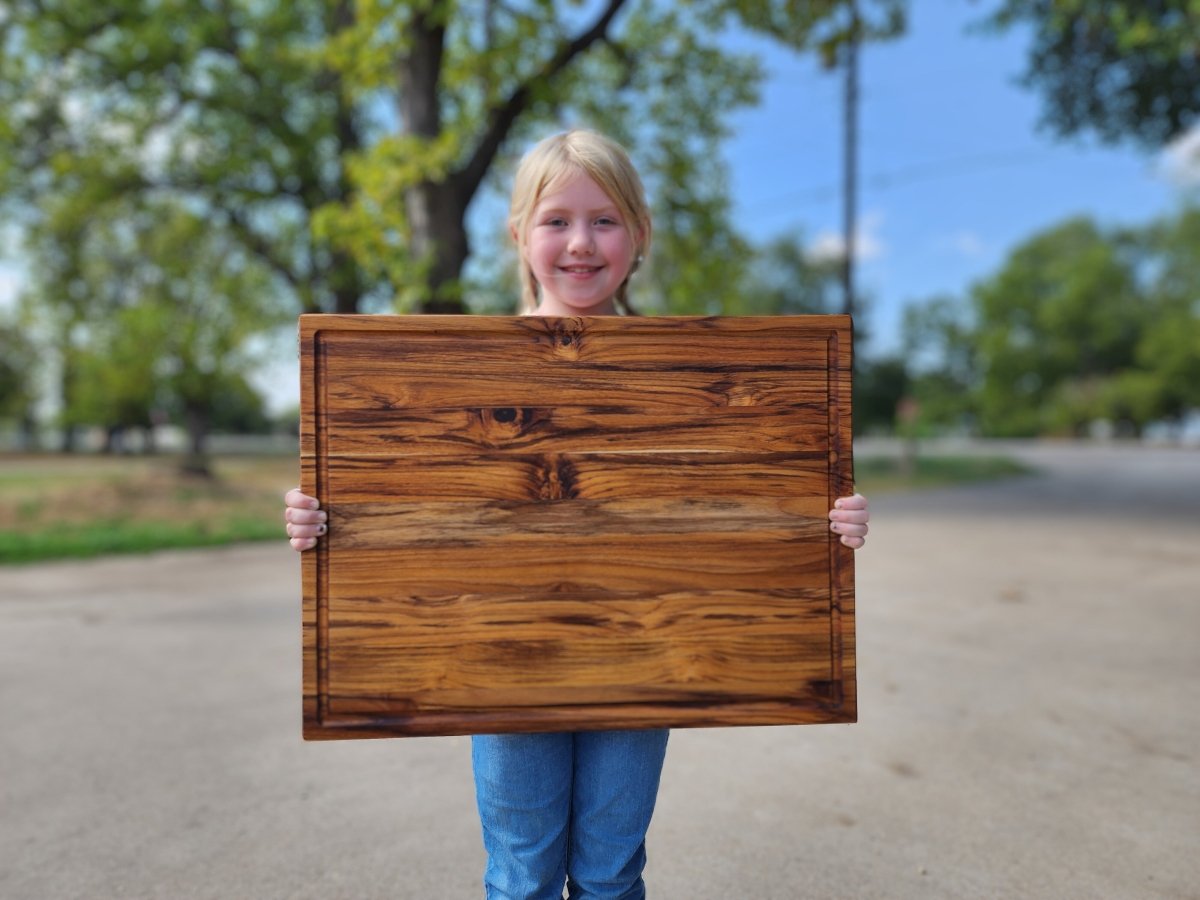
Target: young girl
(570, 808)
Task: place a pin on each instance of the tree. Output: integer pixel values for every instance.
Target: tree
(1168, 350)
(220, 105)
(117, 383)
(17, 389)
(879, 387)
(1080, 324)
(211, 300)
(1126, 69)
(477, 78)
(59, 300)
(174, 305)
(940, 355)
(342, 142)
(1061, 316)
(783, 279)
(241, 409)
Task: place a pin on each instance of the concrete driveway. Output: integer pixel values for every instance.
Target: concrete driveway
(1029, 694)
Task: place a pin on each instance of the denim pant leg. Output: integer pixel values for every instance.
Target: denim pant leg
(523, 788)
(615, 788)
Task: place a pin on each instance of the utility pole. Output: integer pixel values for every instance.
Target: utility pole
(850, 162)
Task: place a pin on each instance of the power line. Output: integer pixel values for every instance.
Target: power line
(925, 171)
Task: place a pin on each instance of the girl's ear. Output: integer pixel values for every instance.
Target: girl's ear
(512, 231)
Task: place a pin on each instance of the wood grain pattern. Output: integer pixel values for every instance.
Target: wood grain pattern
(549, 524)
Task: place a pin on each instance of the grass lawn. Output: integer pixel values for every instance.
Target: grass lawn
(878, 474)
(54, 507)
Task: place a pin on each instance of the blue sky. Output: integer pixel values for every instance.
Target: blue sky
(972, 176)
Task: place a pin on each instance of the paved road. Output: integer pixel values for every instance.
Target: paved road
(1029, 702)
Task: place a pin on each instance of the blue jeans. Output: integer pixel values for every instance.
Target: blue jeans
(566, 808)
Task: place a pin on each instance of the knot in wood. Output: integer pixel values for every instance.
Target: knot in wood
(566, 337)
(557, 480)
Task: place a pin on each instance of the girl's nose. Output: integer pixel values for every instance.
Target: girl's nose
(581, 241)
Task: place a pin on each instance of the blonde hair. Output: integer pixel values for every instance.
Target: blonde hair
(557, 159)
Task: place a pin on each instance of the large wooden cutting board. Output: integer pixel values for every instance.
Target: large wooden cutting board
(544, 524)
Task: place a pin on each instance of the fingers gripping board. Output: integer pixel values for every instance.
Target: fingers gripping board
(548, 524)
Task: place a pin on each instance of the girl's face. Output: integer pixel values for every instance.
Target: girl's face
(579, 249)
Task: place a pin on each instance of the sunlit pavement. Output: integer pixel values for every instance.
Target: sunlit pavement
(1029, 697)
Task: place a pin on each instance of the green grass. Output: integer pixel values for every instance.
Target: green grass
(102, 538)
(882, 474)
(60, 507)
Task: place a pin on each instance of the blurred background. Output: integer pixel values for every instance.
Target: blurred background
(1005, 194)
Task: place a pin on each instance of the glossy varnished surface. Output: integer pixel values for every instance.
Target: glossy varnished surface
(549, 524)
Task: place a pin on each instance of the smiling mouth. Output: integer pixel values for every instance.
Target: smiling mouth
(580, 270)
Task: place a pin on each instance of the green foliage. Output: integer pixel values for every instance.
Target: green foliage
(134, 504)
(874, 475)
(1079, 324)
(189, 172)
(17, 366)
(938, 341)
(342, 142)
(1123, 68)
(221, 106)
(735, 279)
(1064, 307)
(108, 536)
(238, 408)
(658, 80)
(155, 310)
(879, 386)
(782, 279)
(1167, 258)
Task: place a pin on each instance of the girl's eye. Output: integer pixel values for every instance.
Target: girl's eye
(606, 220)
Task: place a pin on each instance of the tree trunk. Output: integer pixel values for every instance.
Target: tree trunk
(436, 211)
(69, 441)
(346, 282)
(29, 440)
(346, 278)
(112, 440)
(908, 413)
(439, 241)
(197, 461)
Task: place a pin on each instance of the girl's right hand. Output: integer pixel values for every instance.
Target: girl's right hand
(305, 519)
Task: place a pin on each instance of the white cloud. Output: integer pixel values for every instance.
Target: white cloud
(964, 243)
(830, 245)
(1179, 161)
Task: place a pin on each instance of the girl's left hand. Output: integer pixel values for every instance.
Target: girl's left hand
(849, 518)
